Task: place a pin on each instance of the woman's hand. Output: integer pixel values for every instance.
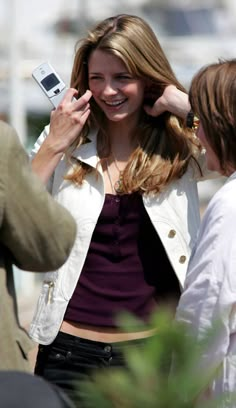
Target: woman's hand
(172, 100)
(66, 123)
(68, 120)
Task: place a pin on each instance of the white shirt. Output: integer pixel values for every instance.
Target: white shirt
(209, 296)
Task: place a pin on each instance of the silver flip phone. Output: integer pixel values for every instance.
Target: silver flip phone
(50, 82)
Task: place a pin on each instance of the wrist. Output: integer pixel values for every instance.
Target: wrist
(53, 147)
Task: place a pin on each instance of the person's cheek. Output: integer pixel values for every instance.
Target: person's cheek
(200, 134)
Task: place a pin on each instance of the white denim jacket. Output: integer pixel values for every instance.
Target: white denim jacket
(174, 214)
(209, 297)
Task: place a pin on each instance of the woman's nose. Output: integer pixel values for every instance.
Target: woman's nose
(109, 88)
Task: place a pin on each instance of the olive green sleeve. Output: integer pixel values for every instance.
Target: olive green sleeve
(37, 230)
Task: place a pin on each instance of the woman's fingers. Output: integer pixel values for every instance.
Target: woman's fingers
(68, 120)
(82, 102)
(69, 100)
(172, 100)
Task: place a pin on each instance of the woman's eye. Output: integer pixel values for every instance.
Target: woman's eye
(94, 77)
(124, 77)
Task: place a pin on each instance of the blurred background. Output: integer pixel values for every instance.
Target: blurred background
(192, 32)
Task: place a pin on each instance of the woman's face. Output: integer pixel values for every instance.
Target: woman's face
(211, 158)
(115, 90)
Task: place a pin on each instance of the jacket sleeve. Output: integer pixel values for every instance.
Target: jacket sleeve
(37, 230)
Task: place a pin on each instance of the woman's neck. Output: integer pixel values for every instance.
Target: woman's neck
(125, 128)
(122, 139)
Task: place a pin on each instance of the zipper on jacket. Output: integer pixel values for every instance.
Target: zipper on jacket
(50, 290)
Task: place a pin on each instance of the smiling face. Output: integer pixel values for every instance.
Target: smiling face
(115, 90)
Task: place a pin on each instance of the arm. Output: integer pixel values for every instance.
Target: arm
(38, 231)
(172, 100)
(66, 123)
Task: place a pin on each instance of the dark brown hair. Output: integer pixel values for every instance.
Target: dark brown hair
(213, 99)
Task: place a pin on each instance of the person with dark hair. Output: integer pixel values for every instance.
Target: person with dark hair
(36, 234)
(209, 297)
(126, 167)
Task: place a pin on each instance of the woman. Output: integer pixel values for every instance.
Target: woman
(126, 168)
(209, 297)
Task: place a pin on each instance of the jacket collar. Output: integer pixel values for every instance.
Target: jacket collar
(87, 152)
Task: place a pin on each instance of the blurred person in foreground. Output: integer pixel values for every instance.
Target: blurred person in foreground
(209, 296)
(36, 234)
(128, 173)
(25, 390)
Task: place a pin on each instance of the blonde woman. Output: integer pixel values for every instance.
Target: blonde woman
(126, 168)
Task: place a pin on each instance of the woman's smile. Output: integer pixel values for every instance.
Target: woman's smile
(116, 91)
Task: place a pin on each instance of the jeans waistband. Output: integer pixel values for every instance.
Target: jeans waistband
(63, 338)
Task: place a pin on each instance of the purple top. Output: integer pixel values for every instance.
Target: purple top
(126, 268)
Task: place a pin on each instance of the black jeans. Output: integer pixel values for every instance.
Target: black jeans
(70, 359)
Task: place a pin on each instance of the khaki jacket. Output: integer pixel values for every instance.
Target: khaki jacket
(36, 234)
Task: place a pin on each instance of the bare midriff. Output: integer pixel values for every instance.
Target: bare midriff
(103, 334)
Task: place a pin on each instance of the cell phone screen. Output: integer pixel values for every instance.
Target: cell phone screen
(50, 81)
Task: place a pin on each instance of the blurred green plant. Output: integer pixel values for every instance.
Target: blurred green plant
(165, 374)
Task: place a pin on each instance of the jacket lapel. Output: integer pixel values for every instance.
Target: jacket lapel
(87, 152)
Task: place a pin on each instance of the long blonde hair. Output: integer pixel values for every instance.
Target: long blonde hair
(165, 145)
